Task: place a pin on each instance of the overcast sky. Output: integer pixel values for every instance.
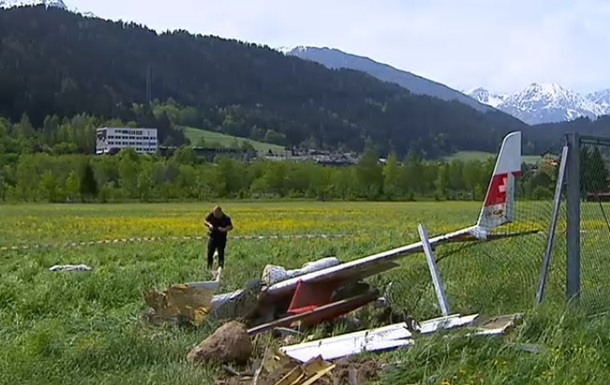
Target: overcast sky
(503, 45)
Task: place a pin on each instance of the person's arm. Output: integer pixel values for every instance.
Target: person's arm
(228, 227)
(207, 221)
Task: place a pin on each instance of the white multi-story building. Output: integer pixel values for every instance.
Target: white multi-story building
(143, 140)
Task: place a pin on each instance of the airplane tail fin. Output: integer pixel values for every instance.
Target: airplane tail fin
(498, 206)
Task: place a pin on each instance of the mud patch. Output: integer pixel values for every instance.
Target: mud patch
(356, 371)
(230, 343)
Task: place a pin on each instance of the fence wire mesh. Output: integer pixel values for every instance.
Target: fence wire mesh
(502, 276)
(594, 225)
(498, 276)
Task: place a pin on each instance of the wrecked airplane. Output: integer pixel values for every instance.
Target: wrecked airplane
(326, 289)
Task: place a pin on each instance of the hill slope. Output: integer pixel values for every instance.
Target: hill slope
(212, 138)
(334, 58)
(98, 66)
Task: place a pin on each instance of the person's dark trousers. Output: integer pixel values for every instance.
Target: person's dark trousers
(216, 244)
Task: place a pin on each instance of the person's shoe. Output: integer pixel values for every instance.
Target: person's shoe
(217, 274)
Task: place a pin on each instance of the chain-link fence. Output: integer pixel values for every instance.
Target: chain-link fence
(514, 274)
(594, 222)
(496, 276)
(488, 277)
(579, 262)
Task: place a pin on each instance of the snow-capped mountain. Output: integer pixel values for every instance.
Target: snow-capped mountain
(25, 3)
(602, 99)
(546, 103)
(486, 97)
(287, 50)
(47, 3)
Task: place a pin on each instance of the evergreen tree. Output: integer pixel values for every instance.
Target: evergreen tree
(88, 184)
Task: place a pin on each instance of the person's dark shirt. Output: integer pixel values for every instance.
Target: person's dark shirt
(223, 221)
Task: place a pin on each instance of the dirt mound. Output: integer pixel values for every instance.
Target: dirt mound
(230, 343)
(356, 371)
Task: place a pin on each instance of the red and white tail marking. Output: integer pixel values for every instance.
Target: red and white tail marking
(499, 201)
(499, 189)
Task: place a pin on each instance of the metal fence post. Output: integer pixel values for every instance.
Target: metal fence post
(573, 218)
(436, 279)
(551, 236)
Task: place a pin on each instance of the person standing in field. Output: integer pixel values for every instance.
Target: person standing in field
(219, 224)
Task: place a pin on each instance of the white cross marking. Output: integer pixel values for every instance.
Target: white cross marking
(502, 187)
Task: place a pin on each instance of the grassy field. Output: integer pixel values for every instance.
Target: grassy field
(480, 155)
(195, 134)
(86, 327)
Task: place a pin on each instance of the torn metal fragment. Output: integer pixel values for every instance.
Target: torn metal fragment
(383, 338)
(70, 268)
(499, 324)
(190, 302)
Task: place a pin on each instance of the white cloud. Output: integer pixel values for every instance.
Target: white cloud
(501, 44)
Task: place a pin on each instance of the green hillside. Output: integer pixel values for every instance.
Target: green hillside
(239, 89)
(480, 155)
(210, 137)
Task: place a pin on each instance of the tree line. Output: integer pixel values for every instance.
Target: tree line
(129, 176)
(54, 163)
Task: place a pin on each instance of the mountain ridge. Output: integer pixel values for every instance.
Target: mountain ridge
(537, 103)
(540, 103)
(336, 58)
(6, 4)
(30, 3)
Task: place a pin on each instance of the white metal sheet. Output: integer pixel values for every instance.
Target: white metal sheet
(345, 345)
(386, 337)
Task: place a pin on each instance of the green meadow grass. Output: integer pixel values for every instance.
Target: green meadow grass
(195, 134)
(482, 156)
(86, 327)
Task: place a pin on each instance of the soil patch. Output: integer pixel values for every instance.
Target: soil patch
(356, 371)
(230, 343)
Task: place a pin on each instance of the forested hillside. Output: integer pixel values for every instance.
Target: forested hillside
(59, 63)
(554, 133)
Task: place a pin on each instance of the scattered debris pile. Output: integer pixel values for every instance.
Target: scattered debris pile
(285, 304)
(316, 371)
(276, 368)
(182, 303)
(334, 360)
(302, 305)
